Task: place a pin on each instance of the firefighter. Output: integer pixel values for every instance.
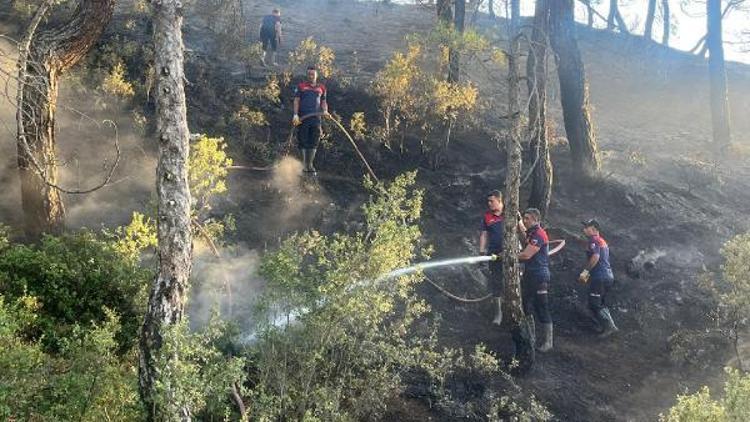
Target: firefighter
(598, 275)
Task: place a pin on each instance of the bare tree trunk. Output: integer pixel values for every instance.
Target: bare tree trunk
(166, 303)
(515, 13)
(589, 13)
(650, 15)
(51, 53)
(718, 77)
(523, 338)
(574, 90)
(536, 80)
(616, 17)
(454, 57)
(491, 7)
(666, 15)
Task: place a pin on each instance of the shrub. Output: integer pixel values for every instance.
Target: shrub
(700, 407)
(75, 277)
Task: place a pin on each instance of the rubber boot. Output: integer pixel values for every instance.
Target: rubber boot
(499, 315)
(547, 344)
(311, 166)
(305, 160)
(263, 59)
(273, 59)
(607, 322)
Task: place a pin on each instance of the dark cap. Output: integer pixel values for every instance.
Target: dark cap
(312, 67)
(591, 223)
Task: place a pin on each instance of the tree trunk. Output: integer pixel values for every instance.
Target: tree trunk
(491, 9)
(454, 57)
(616, 17)
(718, 77)
(166, 303)
(666, 22)
(589, 13)
(574, 90)
(536, 80)
(51, 53)
(523, 339)
(515, 13)
(650, 14)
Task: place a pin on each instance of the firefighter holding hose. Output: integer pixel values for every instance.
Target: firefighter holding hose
(310, 103)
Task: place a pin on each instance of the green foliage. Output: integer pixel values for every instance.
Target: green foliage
(335, 339)
(413, 97)
(75, 277)
(138, 236)
(207, 172)
(116, 84)
(86, 381)
(308, 52)
(700, 407)
(194, 373)
(731, 290)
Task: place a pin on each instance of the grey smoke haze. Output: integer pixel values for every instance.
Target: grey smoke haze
(230, 285)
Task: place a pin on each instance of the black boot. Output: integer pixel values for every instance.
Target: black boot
(311, 156)
(607, 322)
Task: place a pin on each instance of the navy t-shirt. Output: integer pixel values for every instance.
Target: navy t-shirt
(269, 24)
(539, 263)
(598, 246)
(493, 225)
(310, 97)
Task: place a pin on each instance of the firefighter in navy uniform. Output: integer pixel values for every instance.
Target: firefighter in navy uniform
(598, 275)
(270, 35)
(491, 243)
(536, 275)
(309, 103)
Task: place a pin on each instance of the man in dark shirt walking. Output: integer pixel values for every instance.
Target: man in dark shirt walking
(309, 103)
(598, 273)
(270, 35)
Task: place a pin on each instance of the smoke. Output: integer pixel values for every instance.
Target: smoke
(230, 285)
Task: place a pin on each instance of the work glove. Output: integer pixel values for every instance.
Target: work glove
(326, 114)
(296, 121)
(583, 278)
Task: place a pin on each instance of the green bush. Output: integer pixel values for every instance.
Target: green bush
(700, 407)
(337, 342)
(87, 380)
(75, 277)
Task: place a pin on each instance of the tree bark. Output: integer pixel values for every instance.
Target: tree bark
(616, 18)
(536, 80)
(589, 13)
(523, 339)
(491, 9)
(51, 53)
(718, 78)
(650, 15)
(454, 56)
(574, 90)
(168, 295)
(515, 13)
(666, 22)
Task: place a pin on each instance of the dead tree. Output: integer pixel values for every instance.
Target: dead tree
(536, 80)
(454, 56)
(589, 13)
(614, 19)
(666, 21)
(49, 54)
(650, 15)
(166, 304)
(718, 77)
(574, 90)
(523, 337)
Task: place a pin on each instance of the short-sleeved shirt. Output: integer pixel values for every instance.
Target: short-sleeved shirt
(310, 97)
(493, 225)
(539, 263)
(268, 25)
(598, 246)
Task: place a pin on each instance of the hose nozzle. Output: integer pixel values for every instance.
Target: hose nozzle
(494, 257)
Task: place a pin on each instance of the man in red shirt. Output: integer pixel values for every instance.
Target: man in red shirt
(309, 103)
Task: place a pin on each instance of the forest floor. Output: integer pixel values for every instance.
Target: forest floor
(650, 109)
